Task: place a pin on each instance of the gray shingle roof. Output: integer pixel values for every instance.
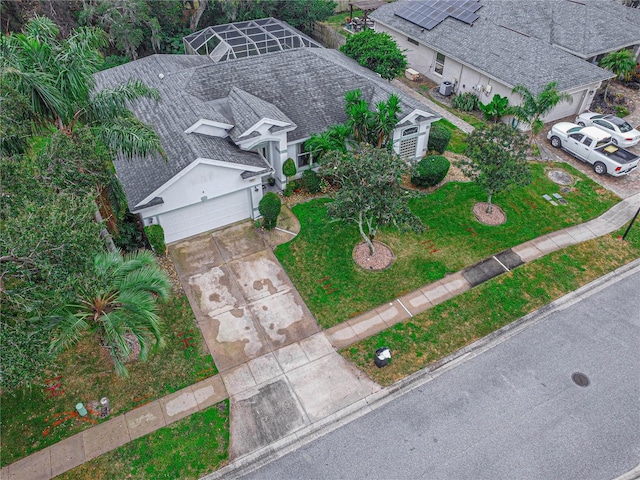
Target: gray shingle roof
(510, 41)
(247, 110)
(304, 86)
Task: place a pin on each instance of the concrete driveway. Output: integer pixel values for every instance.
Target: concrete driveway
(243, 300)
(280, 370)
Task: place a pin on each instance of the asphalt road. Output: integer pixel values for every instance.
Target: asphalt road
(512, 412)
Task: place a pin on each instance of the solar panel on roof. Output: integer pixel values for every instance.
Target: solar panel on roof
(429, 14)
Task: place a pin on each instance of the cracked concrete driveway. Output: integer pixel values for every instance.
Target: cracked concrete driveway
(243, 300)
(280, 370)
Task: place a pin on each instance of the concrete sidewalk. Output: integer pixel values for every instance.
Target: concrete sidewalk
(294, 393)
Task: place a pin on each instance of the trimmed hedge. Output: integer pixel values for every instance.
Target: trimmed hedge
(269, 208)
(311, 181)
(430, 171)
(155, 235)
(289, 168)
(439, 138)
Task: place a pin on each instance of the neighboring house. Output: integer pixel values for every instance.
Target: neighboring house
(497, 44)
(227, 127)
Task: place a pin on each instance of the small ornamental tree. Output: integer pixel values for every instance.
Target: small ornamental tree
(376, 51)
(370, 191)
(269, 208)
(498, 159)
(439, 138)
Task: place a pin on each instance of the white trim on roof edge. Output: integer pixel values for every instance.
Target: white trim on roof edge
(276, 123)
(210, 123)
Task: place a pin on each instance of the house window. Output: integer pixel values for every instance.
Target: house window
(409, 142)
(439, 68)
(263, 149)
(411, 40)
(304, 157)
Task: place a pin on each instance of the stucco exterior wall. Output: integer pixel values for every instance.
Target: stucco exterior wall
(208, 181)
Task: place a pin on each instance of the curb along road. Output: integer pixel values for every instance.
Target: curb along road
(296, 440)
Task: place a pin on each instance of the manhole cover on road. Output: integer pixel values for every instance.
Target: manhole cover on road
(580, 379)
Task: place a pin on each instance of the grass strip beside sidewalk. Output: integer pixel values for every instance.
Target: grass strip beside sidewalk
(448, 327)
(189, 448)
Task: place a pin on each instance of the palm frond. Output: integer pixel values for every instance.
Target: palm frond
(130, 136)
(70, 324)
(110, 103)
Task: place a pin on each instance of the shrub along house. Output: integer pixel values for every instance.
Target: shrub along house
(488, 46)
(230, 117)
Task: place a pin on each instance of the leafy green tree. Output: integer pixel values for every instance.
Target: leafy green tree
(300, 14)
(48, 239)
(534, 107)
(370, 191)
(497, 159)
(57, 75)
(118, 308)
(376, 51)
(371, 126)
(622, 64)
(127, 22)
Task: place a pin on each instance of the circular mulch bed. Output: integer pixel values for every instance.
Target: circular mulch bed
(496, 217)
(382, 259)
(560, 177)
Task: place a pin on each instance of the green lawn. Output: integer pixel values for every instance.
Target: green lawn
(340, 19)
(187, 449)
(320, 264)
(445, 328)
(458, 142)
(33, 418)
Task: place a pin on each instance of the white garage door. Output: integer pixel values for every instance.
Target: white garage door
(203, 216)
(567, 109)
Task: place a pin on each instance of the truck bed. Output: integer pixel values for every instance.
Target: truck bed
(618, 154)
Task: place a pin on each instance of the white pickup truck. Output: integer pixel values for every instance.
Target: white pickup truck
(594, 146)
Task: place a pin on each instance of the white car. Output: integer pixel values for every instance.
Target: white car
(621, 132)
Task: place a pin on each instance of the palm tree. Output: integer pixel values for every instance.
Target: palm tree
(333, 138)
(533, 107)
(385, 119)
(374, 127)
(621, 63)
(120, 304)
(358, 115)
(57, 78)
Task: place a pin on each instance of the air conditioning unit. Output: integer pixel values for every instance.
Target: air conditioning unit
(446, 88)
